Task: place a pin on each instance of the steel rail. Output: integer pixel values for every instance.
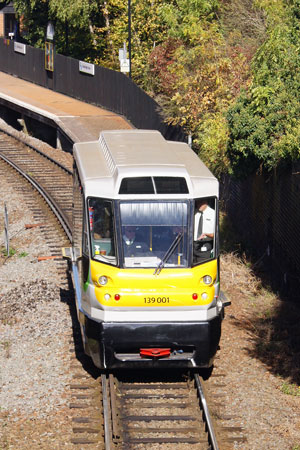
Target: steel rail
(210, 428)
(49, 200)
(17, 138)
(115, 432)
(106, 409)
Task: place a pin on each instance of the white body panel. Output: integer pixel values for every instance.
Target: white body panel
(116, 155)
(142, 315)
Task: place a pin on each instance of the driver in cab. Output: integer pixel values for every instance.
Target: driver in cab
(131, 246)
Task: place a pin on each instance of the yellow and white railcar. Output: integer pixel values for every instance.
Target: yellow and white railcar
(147, 285)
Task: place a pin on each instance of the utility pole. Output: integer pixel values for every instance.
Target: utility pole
(129, 35)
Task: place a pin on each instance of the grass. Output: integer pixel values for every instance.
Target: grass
(22, 254)
(12, 252)
(291, 389)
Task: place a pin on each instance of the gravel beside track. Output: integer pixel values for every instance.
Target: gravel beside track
(32, 352)
(35, 328)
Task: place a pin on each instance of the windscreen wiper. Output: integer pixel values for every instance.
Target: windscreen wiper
(168, 253)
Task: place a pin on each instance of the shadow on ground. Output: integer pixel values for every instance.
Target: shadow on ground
(276, 338)
(274, 325)
(68, 296)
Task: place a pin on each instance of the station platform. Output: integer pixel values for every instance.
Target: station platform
(78, 120)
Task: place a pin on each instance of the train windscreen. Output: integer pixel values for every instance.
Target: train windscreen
(153, 232)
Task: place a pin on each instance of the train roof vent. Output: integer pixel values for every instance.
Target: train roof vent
(110, 162)
(153, 185)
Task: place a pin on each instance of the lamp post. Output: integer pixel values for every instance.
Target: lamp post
(129, 35)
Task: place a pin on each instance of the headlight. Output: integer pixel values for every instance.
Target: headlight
(207, 279)
(102, 280)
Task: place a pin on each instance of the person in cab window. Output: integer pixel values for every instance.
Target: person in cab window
(131, 246)
(129, 235)
(204, 229)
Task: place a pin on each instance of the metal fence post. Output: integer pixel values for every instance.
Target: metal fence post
(6, 229)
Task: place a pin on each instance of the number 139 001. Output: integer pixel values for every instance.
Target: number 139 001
(156, 300)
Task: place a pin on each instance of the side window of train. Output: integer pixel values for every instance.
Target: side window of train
(101, 225)
(78, 208)
(205, 230)
(85, 248)
(85, 244)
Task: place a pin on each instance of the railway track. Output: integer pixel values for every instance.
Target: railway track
(25, 167)
(169, 410)
(120, 410)
(48, 176)
(50, 202)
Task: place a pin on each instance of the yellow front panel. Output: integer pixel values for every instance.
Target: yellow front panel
(141, 288)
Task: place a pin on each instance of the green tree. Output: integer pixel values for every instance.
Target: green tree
(33, 16)
(73, 21)
(191, 76)
(147, 30)
(193, 57)
(264, 122)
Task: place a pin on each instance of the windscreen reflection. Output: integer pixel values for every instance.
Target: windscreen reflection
(149, 229)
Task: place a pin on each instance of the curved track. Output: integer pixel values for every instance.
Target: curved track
(121, 410)
(49, 177)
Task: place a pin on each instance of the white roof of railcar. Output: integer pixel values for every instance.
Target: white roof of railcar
(122, 154)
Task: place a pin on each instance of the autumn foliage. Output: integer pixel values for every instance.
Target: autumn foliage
(227, 71)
